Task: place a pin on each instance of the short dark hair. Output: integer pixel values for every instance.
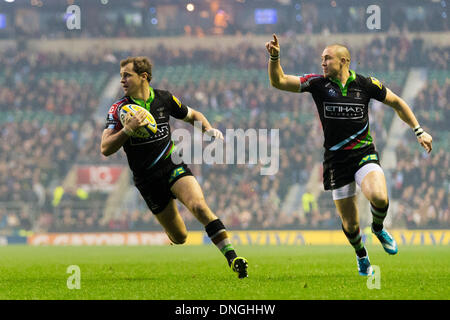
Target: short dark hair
(140, 65)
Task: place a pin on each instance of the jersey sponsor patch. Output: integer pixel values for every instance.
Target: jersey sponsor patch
(370, 157)
(337, 110)
(376, 82)
(332, 92)
(176, 172)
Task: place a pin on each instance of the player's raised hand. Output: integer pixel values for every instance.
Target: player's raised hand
(273, 47)
(426, 141)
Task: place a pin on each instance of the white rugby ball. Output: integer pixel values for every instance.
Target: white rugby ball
(142, 132)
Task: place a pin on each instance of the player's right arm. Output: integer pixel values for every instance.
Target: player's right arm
(113, 140)
(405, 113)
(277, 77)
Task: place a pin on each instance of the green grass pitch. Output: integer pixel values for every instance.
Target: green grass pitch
(201, 273)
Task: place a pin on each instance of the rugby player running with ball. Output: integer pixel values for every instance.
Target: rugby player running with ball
(342, 99)
(159, 180)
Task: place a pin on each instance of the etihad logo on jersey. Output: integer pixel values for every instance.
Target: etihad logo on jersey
(334, 110)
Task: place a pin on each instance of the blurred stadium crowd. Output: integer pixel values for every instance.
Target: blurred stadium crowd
(234, 17)
(47, 126)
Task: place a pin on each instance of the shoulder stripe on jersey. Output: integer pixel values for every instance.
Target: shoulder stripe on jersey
(308, 77)
(120, 101)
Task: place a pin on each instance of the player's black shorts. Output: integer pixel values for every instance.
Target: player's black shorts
(339, 167)
(155, 186)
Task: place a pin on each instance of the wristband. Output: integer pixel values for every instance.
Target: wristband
(418, 131)
(274, 57)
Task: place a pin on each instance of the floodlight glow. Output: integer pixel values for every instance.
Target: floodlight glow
(190, 7)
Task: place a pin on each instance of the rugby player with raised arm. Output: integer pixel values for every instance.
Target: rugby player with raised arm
(342, 99)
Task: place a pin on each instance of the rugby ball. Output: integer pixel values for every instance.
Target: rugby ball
(142, 132)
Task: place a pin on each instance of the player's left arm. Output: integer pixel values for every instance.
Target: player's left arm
(405, 113)
(194, 115)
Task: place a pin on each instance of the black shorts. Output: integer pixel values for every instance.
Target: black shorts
(339, 167)
(155, 185)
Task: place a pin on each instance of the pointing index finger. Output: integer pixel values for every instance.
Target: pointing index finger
(275, 39)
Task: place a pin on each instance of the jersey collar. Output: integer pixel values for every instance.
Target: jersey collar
(145, 104)
(349, 80)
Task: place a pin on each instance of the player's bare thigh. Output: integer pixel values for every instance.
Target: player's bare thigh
(172, 223)
(189, 192)
(374, 188)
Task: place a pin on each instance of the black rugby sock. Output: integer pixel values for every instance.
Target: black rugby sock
(378, 216)
(356, 242)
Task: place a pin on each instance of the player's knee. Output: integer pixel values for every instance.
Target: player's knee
(350, 226)
(379, 199)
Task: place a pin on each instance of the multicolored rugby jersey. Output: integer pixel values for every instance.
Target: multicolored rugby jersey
(144, 153)
(344, 110)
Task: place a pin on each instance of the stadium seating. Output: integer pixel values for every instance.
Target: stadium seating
(248, 200)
